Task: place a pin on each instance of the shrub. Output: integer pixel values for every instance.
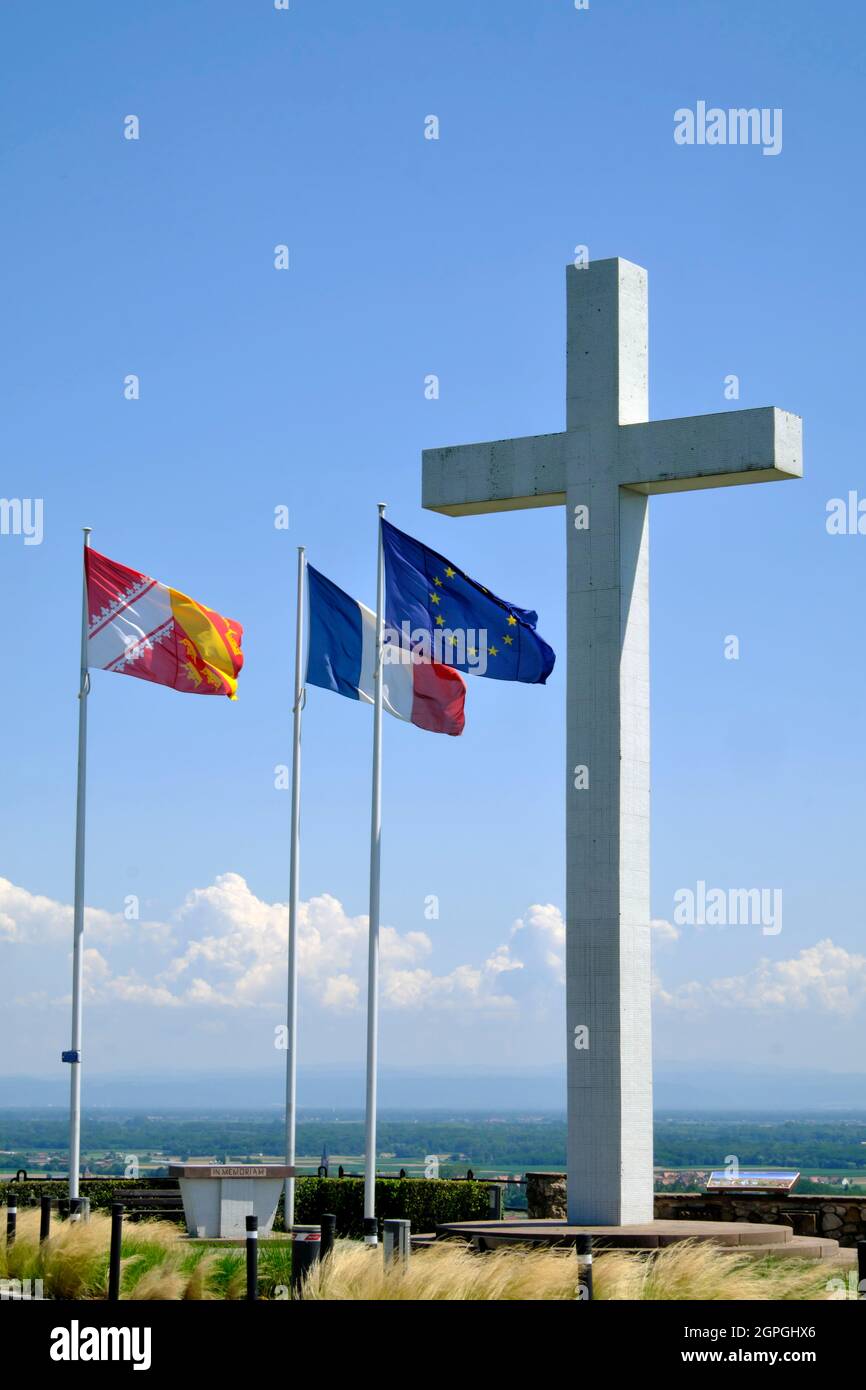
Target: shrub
(100, 1191)
(426, 1202)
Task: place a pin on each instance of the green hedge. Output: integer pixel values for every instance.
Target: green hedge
(426, 1202)
(101, 1191)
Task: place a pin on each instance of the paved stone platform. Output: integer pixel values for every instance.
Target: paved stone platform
(741, 1236)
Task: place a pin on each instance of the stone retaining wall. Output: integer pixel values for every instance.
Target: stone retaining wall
(545, 1195)
(842, 1218)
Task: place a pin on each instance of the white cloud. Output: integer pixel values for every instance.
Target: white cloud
(99, 983)
(341, 992)
(502, 960)
(242, 940)
(466, 985)
(824, 978)
(664, 932)
(544, 925)
(233, 954)
(31, 919)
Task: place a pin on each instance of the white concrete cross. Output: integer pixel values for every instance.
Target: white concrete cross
(605, 465)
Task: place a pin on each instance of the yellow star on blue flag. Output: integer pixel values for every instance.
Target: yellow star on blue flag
(422, 587)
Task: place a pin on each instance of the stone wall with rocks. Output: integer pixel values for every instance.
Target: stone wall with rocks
(842, 1218)
(545, 1195)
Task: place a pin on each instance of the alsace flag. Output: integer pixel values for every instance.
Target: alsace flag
(341, 656)
(436, 608)
(139, 627)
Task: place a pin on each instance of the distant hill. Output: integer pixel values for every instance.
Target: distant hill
(678, 1087)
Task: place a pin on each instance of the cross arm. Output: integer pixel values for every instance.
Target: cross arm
(742, 446)
(495, 477)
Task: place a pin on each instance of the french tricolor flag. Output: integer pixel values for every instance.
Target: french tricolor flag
(341, 656)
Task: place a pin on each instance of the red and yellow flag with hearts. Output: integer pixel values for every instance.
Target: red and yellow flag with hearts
(139, 627)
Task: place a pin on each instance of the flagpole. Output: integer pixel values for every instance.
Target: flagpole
(73, 1056)
(294, 881)
(370, 1233)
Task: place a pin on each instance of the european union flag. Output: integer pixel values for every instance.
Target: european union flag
(433, 607)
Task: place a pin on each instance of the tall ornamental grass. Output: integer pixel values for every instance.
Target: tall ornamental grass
(157, 1263)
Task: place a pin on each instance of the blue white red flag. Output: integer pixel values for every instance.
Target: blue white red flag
(341, 656)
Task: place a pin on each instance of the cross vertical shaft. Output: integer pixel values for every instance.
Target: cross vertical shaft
(608, 973)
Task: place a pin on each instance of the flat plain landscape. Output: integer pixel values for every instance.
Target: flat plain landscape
(828, 1150)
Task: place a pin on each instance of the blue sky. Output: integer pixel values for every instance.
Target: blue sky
(305, 388)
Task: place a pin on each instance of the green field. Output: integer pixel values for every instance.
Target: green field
(493, 1145)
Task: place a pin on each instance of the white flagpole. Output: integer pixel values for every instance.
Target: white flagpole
(294, 881)
(73, 1056)
(370, 1234)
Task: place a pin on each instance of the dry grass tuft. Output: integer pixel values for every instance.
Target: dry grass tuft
(161, 1284)
(197, 1281)
(449, 1270)
(707, 1273)
(156, 1262)
(452, 1271)
(72, 1264)
(159, 1264)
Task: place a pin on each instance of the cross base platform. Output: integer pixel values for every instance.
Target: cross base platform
(741, 1236)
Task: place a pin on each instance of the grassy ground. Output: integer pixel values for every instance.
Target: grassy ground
(159, 1264)
(156, 1263)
